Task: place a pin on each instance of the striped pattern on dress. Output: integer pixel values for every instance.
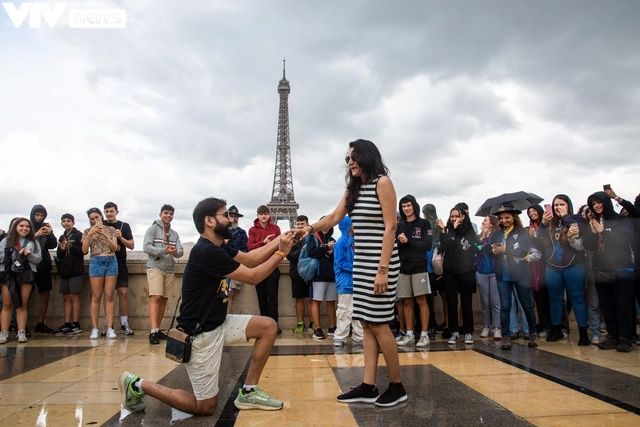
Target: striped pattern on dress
(368, 234)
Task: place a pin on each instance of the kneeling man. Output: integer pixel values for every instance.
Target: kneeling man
(203, 314)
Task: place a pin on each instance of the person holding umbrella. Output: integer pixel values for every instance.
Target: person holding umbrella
(511, 245)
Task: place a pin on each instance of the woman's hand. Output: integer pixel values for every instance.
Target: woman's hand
(573, 231)
(547, 216)
(596, 226)
(440, 224)
(497, 248)
(380, 283)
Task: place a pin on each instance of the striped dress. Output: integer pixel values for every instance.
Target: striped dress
(368, 233)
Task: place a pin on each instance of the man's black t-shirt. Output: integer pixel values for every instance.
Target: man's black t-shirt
(204, 285)
(121, 253)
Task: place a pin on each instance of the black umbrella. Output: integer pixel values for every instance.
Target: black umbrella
(520, 200)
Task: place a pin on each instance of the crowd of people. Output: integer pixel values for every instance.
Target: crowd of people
(25, 262)
(384, 273)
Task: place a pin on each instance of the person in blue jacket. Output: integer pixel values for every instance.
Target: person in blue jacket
(343, 253)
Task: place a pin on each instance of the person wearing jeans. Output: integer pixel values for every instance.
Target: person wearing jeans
(486, 280)
(564, 238)
(511, 245)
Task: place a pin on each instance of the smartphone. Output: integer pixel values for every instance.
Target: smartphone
(547, 208)
(606, 187)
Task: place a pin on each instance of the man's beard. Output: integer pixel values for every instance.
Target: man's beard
(223, 231)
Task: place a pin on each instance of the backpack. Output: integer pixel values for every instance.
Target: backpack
(308, 267)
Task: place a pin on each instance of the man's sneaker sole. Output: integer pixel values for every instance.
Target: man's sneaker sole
(241, 405)
(394, 403)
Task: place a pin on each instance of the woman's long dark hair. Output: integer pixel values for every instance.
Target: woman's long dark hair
(368, 157)
(12, 236)
(466, 222)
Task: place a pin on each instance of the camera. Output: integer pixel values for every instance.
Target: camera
(17, 266)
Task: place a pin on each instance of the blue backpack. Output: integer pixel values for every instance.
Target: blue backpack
(308, 267)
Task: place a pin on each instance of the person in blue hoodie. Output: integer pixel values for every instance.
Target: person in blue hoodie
(613, 271)
(343, 253)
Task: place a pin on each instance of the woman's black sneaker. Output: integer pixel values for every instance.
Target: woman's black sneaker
(154, 338)
(394, 395)
(365, 393)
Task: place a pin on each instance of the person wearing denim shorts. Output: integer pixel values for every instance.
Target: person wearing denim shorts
(103, 269)
(203, 315)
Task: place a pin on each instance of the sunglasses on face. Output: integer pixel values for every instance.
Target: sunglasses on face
(347, 159)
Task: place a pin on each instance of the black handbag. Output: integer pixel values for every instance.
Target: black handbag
(179, 343)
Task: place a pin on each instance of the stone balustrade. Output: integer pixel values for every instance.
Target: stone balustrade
(246, 300)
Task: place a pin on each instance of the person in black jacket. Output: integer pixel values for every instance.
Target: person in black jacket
(633, 212)
(299, 287)
(70, 260)
(320, 245)
(613, 271)
(238, 241)
(47, 240)
(458, 243)
(414, 236)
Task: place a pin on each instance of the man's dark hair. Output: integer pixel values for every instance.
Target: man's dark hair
(110, 205)
(302, 218)
(263, 209)
(67, 216)
(207, 207)
(167, 207)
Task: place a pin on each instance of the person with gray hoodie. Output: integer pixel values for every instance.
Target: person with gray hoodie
(162, 245)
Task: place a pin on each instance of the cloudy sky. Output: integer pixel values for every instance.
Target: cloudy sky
(466, 100)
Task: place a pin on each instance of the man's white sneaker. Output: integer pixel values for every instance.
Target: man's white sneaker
(95, 333)
(3, 337)
(111, 334)
(484, 333)
(454, 338)
(423, 341)
(468, 339)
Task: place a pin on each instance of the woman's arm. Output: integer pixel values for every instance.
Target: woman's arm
(332, 219)
(388, 204)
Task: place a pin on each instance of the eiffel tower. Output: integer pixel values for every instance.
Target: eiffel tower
(283, 204)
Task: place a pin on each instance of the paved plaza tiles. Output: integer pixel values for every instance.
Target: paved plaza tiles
(72, 381)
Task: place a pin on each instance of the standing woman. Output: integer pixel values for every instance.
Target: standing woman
(613, 271)
(538, 283)
(370, 201)
(103, 269)
(486, 279)
(511, 245)
(458, 243)
(19, 255)
(564, 236)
